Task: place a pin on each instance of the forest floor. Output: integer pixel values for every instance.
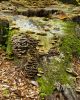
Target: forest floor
(13, 84)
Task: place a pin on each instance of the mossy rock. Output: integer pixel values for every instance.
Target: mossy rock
(9, 42)
(54, 67)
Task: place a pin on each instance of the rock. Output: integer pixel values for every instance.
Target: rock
(77, 29)
(39, 75)
(34, 83)
(4, 0)
(55, 96)
(78, 89)
(76, 19)
(63, 92)
(4, 28)
(71, 71)
(41, 72)
(40, 12)
(70, 2)
(67, 91)
(42, 34)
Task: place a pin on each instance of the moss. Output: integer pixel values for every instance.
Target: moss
(6, 92)
(45, 87)
(70, 45)
(9, 43)
(55, 69)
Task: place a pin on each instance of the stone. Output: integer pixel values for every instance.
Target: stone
(71, 71)
(70, 2)
(4, 28)
(78, 89)
(67, 91)
(76, 19)
(34, 83)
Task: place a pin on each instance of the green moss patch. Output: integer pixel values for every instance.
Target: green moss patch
(9, 42)
(55, 69)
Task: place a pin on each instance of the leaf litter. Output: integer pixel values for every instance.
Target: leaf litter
(13, 83)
